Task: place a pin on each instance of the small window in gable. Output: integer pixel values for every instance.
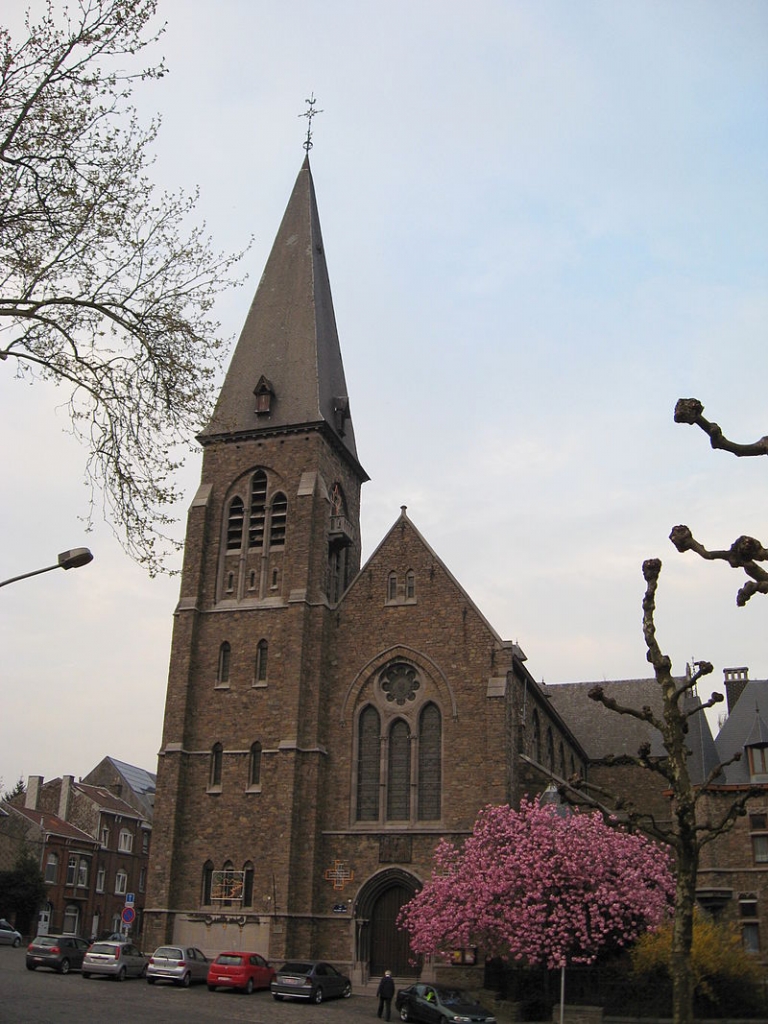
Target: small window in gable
(392, 587)
(235, 524)
(260, 671)
(278, 520)
(258, 509)
(225, 659)
(410, 585)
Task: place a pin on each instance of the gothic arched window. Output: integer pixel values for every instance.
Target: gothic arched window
(254, 765)
(550, 750)
(260, 668)
(536, 737)
(399, 772)
(225, 660)
(430, 763)
(217, 758)
(235, 521)
(258, 507)
(207, 881)
(368, 765)
(278, 520)
(248, 884)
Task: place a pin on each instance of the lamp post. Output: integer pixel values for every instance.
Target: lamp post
(71, 559)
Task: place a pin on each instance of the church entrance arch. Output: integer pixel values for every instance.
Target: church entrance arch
(381, 945)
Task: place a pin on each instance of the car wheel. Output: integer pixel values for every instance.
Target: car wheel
(347, 991)
(120, 976)
(64, 966)
(318, 996)
(249, 987)
(211, 988)
(186, 980)
(31, 967)
(404, 1015)
(151, 981)
(86, 974)
(277, 996)
(16, 943)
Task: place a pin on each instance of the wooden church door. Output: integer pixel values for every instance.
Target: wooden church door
(390, 950)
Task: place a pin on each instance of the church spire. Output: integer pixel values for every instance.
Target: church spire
(286, 373)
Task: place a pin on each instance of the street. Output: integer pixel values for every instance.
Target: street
(44, 997)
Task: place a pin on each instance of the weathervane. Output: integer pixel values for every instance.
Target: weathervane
(309, 113)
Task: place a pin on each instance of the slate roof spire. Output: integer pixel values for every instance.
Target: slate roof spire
(286, 373)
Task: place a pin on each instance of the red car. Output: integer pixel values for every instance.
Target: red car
(243, 971)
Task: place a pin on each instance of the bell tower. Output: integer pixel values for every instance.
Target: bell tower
(272, 541)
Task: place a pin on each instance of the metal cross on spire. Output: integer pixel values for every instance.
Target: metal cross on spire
(309, 113)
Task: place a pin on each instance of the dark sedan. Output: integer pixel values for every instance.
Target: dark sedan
(62, 953)
(438, 1004)
(313, 980)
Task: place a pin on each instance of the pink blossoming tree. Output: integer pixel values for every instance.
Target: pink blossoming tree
(541, 888)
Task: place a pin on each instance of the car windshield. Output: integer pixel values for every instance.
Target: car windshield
(229, 959)
(453, 996)
(168, 953)
(295, 967)
(105, 947)
(45, 940)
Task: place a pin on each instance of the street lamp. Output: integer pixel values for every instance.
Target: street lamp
(71, 559)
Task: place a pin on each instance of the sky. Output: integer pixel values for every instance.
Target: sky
(544, 223)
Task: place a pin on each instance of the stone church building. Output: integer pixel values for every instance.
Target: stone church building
(325, 724)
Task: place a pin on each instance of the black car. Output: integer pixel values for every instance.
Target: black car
(439, 1004)
(62, 953)
(314, 980)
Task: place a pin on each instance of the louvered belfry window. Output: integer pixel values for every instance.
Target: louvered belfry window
(279, 516)
(258, 505)
(368, 765)
(399, 773)
(235, 524)
(430, 766)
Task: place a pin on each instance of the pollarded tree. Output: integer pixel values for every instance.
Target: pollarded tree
(541, 888)
(102, 288)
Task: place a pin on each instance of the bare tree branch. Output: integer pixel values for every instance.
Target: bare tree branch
(689, 410)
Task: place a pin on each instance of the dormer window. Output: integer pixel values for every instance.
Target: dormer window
(264, 393)
(758, 762)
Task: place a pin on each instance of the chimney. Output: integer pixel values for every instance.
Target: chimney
(64, 795)
(736, 680)
(34, 785)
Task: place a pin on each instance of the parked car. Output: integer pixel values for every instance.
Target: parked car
(180, 964)
(118, 960)
(432, 1003)
(8, 934)
(62, 953)
(314, 980)
(239, 970)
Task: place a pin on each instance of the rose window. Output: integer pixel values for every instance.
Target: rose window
(399, 683)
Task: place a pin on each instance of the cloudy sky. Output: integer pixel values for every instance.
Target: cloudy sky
(544, 223)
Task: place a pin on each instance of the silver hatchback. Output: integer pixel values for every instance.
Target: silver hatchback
(118, 960)
(180, 964)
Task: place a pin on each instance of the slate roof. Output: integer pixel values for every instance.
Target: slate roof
(55, 826)
(744, 725)
(290, 339)
(603, 732)
(107, 801)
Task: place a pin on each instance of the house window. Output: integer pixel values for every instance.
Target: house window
(105, 836)
(121, 882)
(410, 586)
(235, 524)
(258, 507)
(71, 869)
(750, 936)
(125, 841)
(207, 882)
(254, 766)
(71, 919)
(101, 877)
(82, 872)
(278, 521)
(759, 822)
(758, 761)
(225, 659)
(430, 766)
(214, 778)
(368, 765)
(748, 906)
(260, 670)
(392, 587)
(760, 849)
(52, 868)
(399, 772)
(145, 842)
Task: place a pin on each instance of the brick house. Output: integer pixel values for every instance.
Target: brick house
(94, 851)
(325, 724)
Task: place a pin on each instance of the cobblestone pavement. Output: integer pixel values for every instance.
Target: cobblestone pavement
(44, 997)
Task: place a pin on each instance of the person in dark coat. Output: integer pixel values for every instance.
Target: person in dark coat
(385, 991)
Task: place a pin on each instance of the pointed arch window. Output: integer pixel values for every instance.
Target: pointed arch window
(235, 521)
(207, 883)
(225, 661)
(430, 763)
(217, 760)
(550, 750)
(410, 585)
(260, 668)
(248, 884)
(368, 764)
(536, 738)
(254, 766)
(258, 509)
(278, 520)
(399, 772)
(392, 587)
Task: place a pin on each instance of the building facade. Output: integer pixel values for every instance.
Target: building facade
(325, 724)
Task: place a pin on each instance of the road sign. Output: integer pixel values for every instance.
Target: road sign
(128, 915)
(129, 899)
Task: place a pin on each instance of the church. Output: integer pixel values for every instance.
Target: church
(326, 723)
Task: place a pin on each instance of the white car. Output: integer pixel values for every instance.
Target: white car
(180, 964)
(118, 960)
(8, 934)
